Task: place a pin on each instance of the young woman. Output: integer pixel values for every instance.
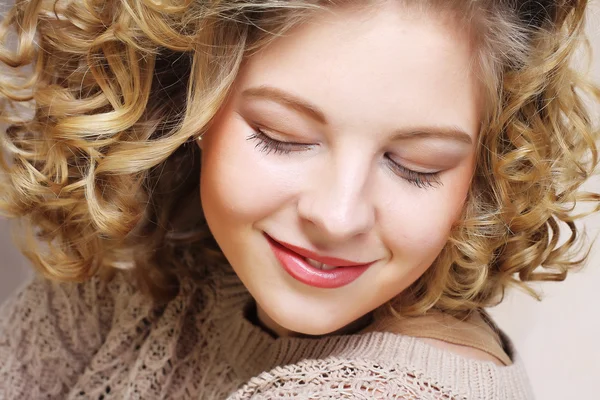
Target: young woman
(286, 199)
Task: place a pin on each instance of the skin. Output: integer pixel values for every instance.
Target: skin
(372, 76)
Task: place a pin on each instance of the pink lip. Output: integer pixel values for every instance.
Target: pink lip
(334, 262)
(294, 264)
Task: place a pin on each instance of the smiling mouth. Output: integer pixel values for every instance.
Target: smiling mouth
(324, 272)
(316, 259)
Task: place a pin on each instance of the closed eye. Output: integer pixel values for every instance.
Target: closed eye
(267, 144)
(419, 179)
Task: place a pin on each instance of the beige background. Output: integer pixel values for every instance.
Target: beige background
(559, 338)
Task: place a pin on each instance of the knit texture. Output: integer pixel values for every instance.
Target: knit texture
(99, 340)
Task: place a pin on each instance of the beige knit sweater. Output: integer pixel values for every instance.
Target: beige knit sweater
(107, 341)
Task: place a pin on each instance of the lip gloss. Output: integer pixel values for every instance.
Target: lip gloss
(295, 265)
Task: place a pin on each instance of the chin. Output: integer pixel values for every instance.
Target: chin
(306, 323)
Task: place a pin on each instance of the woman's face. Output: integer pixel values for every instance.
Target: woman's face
(352, 137)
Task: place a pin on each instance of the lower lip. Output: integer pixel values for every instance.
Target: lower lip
(295, 265)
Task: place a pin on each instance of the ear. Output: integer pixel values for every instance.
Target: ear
(199, 142)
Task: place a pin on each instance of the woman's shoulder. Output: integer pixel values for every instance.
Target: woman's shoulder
(81, 312)
(58, 338)
(474, 337)
(382, 360)
(60, 326)
(464, 351)
(389, 365)
(43, 294)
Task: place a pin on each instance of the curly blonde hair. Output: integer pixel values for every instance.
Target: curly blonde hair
(103, 100)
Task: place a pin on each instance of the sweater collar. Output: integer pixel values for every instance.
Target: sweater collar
(252, 352)
(248, 348)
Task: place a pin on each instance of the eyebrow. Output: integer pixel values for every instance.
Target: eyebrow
(288, 100)
(291, 101)
(446, 133)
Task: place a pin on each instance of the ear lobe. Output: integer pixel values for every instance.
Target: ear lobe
(199, 142)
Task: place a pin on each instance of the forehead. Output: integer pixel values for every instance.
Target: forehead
(385, 64)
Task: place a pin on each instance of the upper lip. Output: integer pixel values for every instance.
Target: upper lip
(331, 261)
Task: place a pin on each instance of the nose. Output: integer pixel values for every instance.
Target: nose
(337, 205)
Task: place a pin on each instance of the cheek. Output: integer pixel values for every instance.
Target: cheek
(419, 221)
(238, 182)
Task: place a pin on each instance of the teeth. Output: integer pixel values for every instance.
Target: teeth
(318, 265)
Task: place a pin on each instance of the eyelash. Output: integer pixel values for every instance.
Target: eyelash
(267, 145)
